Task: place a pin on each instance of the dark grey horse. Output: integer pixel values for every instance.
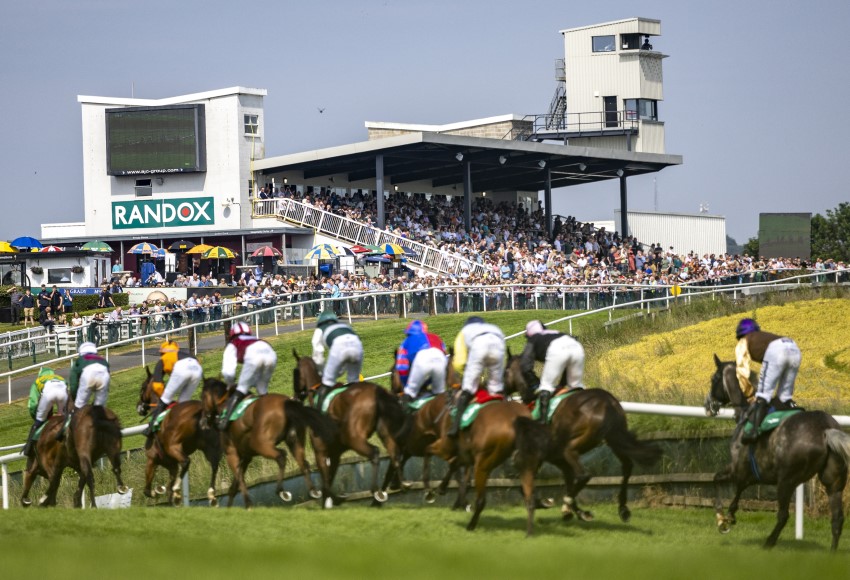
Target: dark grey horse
(804, 444)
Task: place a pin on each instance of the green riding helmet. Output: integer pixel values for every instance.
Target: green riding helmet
(326, 317)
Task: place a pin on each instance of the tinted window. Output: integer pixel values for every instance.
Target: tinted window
(603, 43)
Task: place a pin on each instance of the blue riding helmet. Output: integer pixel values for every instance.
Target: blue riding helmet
(416, 327)
(746, 326)
(474, 320)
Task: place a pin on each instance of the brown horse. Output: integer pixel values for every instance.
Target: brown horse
(805, 444)
(425, 436)
(580, 423)
(93, 433)
(181, 433)
(362, 409)
(272, 418)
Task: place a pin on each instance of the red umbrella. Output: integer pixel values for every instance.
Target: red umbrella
(361, 250)
(51, 249)
(266, 252)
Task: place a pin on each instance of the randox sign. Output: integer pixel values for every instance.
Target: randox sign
(163, 213)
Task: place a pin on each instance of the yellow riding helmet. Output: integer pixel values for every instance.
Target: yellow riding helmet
(168, 346)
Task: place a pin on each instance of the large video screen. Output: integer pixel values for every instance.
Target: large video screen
(785, 235)
(151, 140)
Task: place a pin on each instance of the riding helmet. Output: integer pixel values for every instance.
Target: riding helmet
(746, 326)
(416, 327)
(239, 328)
(533, 327)
(169, 346)
(87, 348)
(326, 317)
(474, 320)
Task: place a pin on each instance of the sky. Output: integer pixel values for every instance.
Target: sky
(747, 87)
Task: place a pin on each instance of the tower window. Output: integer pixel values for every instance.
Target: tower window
(630, 41)
(604, 43)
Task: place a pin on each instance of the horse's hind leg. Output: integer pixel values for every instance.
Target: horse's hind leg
(834, 479)
(483, 466)
(373, 454)
(150, 470)
(86, 480)
(115, 461)
(29, 478)
(295, 443)
(784, 491)
(622, 498)
(213, 454)
(575, 479)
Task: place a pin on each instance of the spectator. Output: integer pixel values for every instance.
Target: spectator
(105, 300)
(28, 305)
(16, 300)
(46, 319)
(44, 299)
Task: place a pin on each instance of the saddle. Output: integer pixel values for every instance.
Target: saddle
(771, 421)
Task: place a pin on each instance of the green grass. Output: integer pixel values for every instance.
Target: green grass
(405, 542)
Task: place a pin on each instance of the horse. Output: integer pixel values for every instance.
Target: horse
(425, 435)
(272, 418)
(180, 434)
(581, 422)
(362, 409)
(804, 444)
(94, 432)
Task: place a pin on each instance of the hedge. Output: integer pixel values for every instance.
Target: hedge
(82, 302)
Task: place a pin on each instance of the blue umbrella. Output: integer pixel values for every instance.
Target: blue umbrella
(143, 248)
(26, 243)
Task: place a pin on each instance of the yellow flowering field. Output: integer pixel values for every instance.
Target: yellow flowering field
(676, 367)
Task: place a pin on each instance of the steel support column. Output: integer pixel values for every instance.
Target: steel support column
(624, 208)
(547, 203)
(467, 196)
(379, 189)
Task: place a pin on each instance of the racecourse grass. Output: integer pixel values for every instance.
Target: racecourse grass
(402, 541)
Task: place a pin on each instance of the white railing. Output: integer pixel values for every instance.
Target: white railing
(350, 231)
(629, 407)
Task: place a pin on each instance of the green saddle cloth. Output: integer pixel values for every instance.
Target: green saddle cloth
(38, 431)
(240, 408)
(553, 404)
(158, 423)
(771, 421)
(417, 404)
(472, 411)
(326, 404)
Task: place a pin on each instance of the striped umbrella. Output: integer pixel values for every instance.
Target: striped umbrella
(199, 249)
(159, 254)
(219, 252)
(345, 251)
(97, 246)
(143, 248)
(51, 249)
(392, 249)
(266, 252)
(5, 248)
(321, 252)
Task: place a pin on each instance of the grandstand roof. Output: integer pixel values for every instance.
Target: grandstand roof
(432, 157)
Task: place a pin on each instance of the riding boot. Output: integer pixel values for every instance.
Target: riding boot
(224, 418)
(543, 406)
(30, 441)
(406, 400)
(160, 407)
(462, 404)
(321, 393)
(60, 436)
(757, 415)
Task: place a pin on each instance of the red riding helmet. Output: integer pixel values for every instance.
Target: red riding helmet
(239, 328)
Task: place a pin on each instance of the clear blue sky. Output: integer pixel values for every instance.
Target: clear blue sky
(751, 88)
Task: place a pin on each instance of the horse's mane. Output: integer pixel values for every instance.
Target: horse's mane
(216, 385)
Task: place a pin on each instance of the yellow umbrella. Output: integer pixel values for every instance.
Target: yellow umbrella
(219, 252)
(5, 248)
(199, 249)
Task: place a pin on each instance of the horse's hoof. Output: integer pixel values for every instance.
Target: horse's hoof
(316, 493)
(468, 508)
(328, 504)
(176, 500)
(122, 489)
(213, 502)
(380, 496)
(430, 497)
(285, 496)
(547, 503)
(42, 501)
(160, 490)
(406, 485)
(724, 527)
(625, 514)
(26, 502)
(585, 516)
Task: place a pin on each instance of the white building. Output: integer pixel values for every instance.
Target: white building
(700, 233)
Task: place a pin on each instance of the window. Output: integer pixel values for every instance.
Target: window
(252, 124)
(250, 187)
(630, 41)
(603, 43)
(144, 188)
(644, 109)
(59, 276)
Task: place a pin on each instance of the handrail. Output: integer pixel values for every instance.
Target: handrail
(351, 231)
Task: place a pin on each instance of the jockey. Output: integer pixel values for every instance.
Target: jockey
(89, 373)
(258, 360)
(780, 361)
(478, 346)
(345, 352)
(421, 358)
(185, 374)
(559, 352)
(47, 389)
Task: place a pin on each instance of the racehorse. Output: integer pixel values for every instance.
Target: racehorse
(272, 418)
(361, 409)
(425, 435)
(581, 422)
(94, 432)
(181, 433)
(804, 444)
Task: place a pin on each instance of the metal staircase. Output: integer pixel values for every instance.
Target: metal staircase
(348, 231)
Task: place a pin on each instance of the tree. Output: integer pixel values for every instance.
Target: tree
(831, 234)
(751, 248)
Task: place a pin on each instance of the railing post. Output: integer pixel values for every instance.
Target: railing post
(302, 316)
(143, 352)
(186, 490)
(375, 305)
(348, 309)
(5, 486)
(257, 324)
(587, 298)
(513, 304)
(276, 311)
(457, 300)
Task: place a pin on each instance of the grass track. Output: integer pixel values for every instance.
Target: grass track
(405, 542)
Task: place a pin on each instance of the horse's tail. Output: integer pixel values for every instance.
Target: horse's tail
(302, 416)
(392, 414)
(105, 421)
(839, 442)
(625, 442)
(531, 443)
